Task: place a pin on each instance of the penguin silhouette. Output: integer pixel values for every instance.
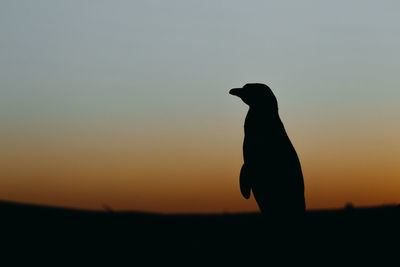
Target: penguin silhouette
(271, 168)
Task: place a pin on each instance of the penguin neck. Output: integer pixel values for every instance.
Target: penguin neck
(264, 113)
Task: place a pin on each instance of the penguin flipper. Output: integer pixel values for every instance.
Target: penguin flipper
(244, 182)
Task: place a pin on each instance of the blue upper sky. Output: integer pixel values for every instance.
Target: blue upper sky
(152, 57)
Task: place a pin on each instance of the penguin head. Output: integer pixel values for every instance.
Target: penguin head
(256, 95)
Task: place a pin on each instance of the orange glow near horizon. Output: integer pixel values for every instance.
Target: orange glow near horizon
(158, 175)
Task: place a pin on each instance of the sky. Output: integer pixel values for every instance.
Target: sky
(126, 104)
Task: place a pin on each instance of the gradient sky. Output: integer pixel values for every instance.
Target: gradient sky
(125, 103)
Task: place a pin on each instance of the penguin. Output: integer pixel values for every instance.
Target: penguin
(271, 168)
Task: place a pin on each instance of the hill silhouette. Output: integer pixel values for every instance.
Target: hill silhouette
(234, 235)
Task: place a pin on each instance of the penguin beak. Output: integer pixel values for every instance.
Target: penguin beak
(235, 91)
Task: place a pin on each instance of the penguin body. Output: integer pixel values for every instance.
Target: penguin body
(271, 168)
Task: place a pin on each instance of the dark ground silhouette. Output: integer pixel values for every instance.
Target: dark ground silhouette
(271, 168)
(69, 232)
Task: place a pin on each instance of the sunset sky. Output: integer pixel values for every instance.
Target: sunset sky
(126, 104)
